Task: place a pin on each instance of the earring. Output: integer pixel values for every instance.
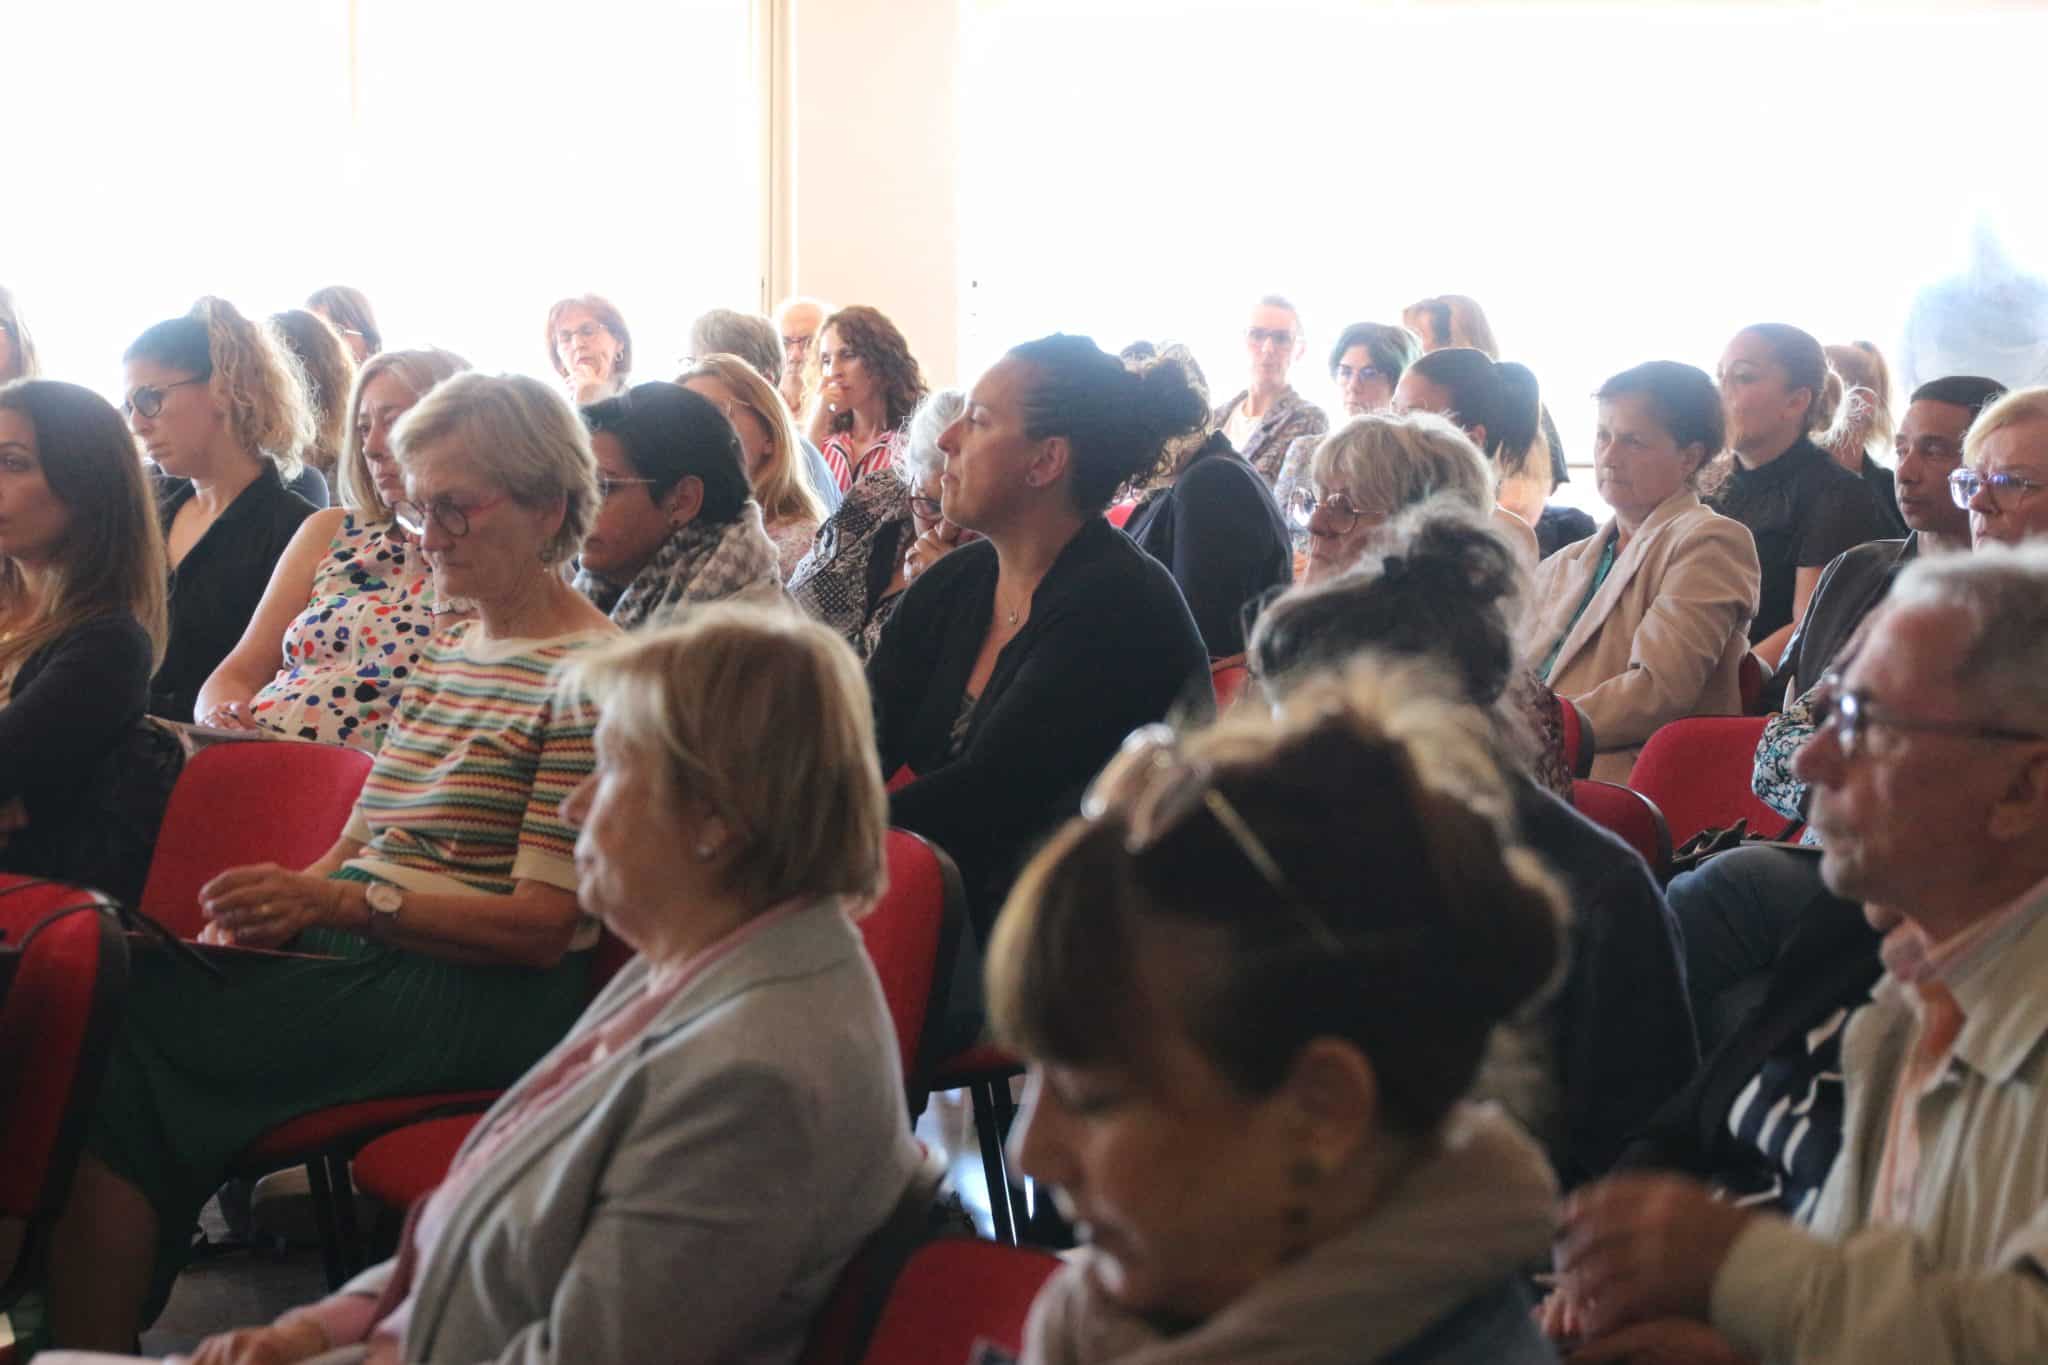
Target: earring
(706, 852)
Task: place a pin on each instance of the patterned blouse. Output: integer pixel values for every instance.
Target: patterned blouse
(351, 652)
(852, 560)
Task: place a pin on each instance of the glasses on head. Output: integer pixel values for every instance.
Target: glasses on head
(1339, 512)
(1964, 485)
(1363, 374)
(446, 513)
(607, 485)
(1850, 714)
(1258, 337)
(148, 399)
(927, 508)
(584, 331)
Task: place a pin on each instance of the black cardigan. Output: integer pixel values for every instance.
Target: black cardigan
(1109, 647)
(215, 588)
(1221, 535)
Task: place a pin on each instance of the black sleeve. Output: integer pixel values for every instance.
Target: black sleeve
(902, 663)
(87, 688)
(1840, 514)
(1228, 547)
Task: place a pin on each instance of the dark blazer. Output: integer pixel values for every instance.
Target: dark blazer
(215, 588)
(1220, 533)
(1849, 590)
(1109, 647)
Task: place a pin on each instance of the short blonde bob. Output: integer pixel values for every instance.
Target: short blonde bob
(419, 371)
(2015, 409)
(711, 700)
(1386, 463)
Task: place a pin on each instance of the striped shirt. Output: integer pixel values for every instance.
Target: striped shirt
(838, 453)
(467, 791)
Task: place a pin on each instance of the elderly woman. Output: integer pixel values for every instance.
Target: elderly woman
(214, 401)
(887, 531)
(791, 509)
(438, 930)
(1617, 1039)
(868, 385)
(590, 348)
(676, 524)
(351, 604)
(683, 1177)
(1643, 622)
(1365, 364)
(1265, 1162)
(17, 347)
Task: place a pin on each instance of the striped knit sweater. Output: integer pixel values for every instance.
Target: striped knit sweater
(466, 794)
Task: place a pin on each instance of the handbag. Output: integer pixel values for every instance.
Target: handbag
(1714, 841)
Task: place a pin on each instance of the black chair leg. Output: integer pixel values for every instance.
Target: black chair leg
(992, 1110)
(324, 1220)
(351, 1239)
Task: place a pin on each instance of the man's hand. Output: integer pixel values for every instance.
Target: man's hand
(1636, 1248)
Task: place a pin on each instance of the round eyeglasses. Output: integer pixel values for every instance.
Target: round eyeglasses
(1340, 514)
(1965, 484)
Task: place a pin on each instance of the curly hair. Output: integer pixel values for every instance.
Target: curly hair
(329, 370)
(875, 339)
(253, 377)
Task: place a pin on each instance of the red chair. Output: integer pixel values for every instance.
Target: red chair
(1630, 815)
(249, 801)
(1228, 677)
(1579, 743)
(1120, 514)
(985, 1072)
(1750, 677)
(1697, 771)
(954, 1294)
(58, 1011)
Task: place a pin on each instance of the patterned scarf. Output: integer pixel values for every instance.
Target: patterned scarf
(699, 563)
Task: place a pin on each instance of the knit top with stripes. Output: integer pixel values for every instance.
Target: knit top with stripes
(466, 794)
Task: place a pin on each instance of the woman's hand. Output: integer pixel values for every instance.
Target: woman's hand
(231, 715)
(266, 906)
(285, 1342)
(931, 547)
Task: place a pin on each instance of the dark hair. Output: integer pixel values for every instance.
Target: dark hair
(1117, 423)
(1520, 414)
(1804, 362)
(1137, 352)
(348, 309)
(1682, 398)
(1410, 928)
(1443, 593)
(671, 434)
(176, 344)
(1391, 349)
(608, 317)
(877, 341)
(751, 337)
(250, 371)
(1962, 391)
(1486, 394)
(1437, 312)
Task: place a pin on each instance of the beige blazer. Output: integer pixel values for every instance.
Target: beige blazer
(1665, 635)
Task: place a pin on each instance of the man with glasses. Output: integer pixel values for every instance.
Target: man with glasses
(1268, 416)
(1930, 1240)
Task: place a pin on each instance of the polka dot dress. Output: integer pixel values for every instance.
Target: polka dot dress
(349, 655)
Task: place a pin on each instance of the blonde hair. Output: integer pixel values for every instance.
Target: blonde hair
(419, 371)
(1844, 403)
(783, 487)
(256, 377)
(24, 344)
(711, 699)
(327, 370)
(1388, 463)
(2015, 409)
(522, 435)
(1452, 320)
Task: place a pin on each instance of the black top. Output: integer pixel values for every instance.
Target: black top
(1803, 509)
(1560, 526)
(1109, 647)
(1849, 589)
(1220, 533)
(1622, 1024)
(215, 588)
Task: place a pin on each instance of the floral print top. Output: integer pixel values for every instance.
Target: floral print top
(350, 653)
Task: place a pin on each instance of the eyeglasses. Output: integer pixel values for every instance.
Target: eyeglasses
(1154, 787)
(1849, 714)
(1260, 337)
(148, 400)
(607, 485)
(1339, 512)
(586, 331)
(450, 515)
(1363, 374)
(928, 508)
(797, 343)
(1964, 484)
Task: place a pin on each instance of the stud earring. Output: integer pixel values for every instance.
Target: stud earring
(706, 852)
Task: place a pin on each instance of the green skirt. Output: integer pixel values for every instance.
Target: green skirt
(200, 1068)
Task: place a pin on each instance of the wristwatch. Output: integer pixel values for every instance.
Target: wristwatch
(385, 902)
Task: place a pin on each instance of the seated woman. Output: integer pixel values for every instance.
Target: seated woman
(1365, 365)
(1247, 1078)
(676, 523)
(887, 531)
(1212, 521)
(683, 1178)
(214, 402)
(443, 919)
(330, 374)
(1369, 471)
(351, 604)
(992, 683)
(82, 621)
(1643, 622)
(790, 509)
(1499, 408)
(17, 347)
(1617, 1040)
(590, 348)
(348, 311)
(868, 383)
(1860, 384)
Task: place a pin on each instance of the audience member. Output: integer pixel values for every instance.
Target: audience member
(1495, 405)
(1643, 623)
(1862, 422)
(889, 530)
(1456, 320)
(797, 322)
(441, 923)
(685, 1175)
(769, 446)
(590, 348)
(1801, 507)
(348, 312)
(82, 619)
(868, 385)
(676, 523)
(1182, 970)
(17, 347)
(1365, 364)
(327, 372)
(990, 681)
(1211, 520)
(1265, 420)
(1930, 787)
(213, 400)
(2007, 455)
(350, 607)
(1616, 1041)
(751, 337)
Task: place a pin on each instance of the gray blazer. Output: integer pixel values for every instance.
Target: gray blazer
(692, 1198)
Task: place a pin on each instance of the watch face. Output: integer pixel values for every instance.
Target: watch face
(384, 898)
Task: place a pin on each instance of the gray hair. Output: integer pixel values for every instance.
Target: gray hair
(2002, 591)
(1390, 463)
(918, 455)
(749, 336)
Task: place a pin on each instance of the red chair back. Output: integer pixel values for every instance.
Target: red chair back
(1578, 737)
(250, 801)
(1228, 677)
(1120, 514)
(1697, 771)
(911, 935)
(954, 1294)
(1630, 815)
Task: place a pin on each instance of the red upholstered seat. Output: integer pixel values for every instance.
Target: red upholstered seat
(954, 1294)
(1697, 772)
(348, 1124)
(1120, 514)
(1579, 742)
(1228, 677)
(401, 1168)
(1631, 816)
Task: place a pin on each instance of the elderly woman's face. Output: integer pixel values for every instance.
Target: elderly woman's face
(1636, 463)
(631, 856)
(2015, 513)
(1340, 525)
(585, 347)
(631, 524)
(481, 543)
